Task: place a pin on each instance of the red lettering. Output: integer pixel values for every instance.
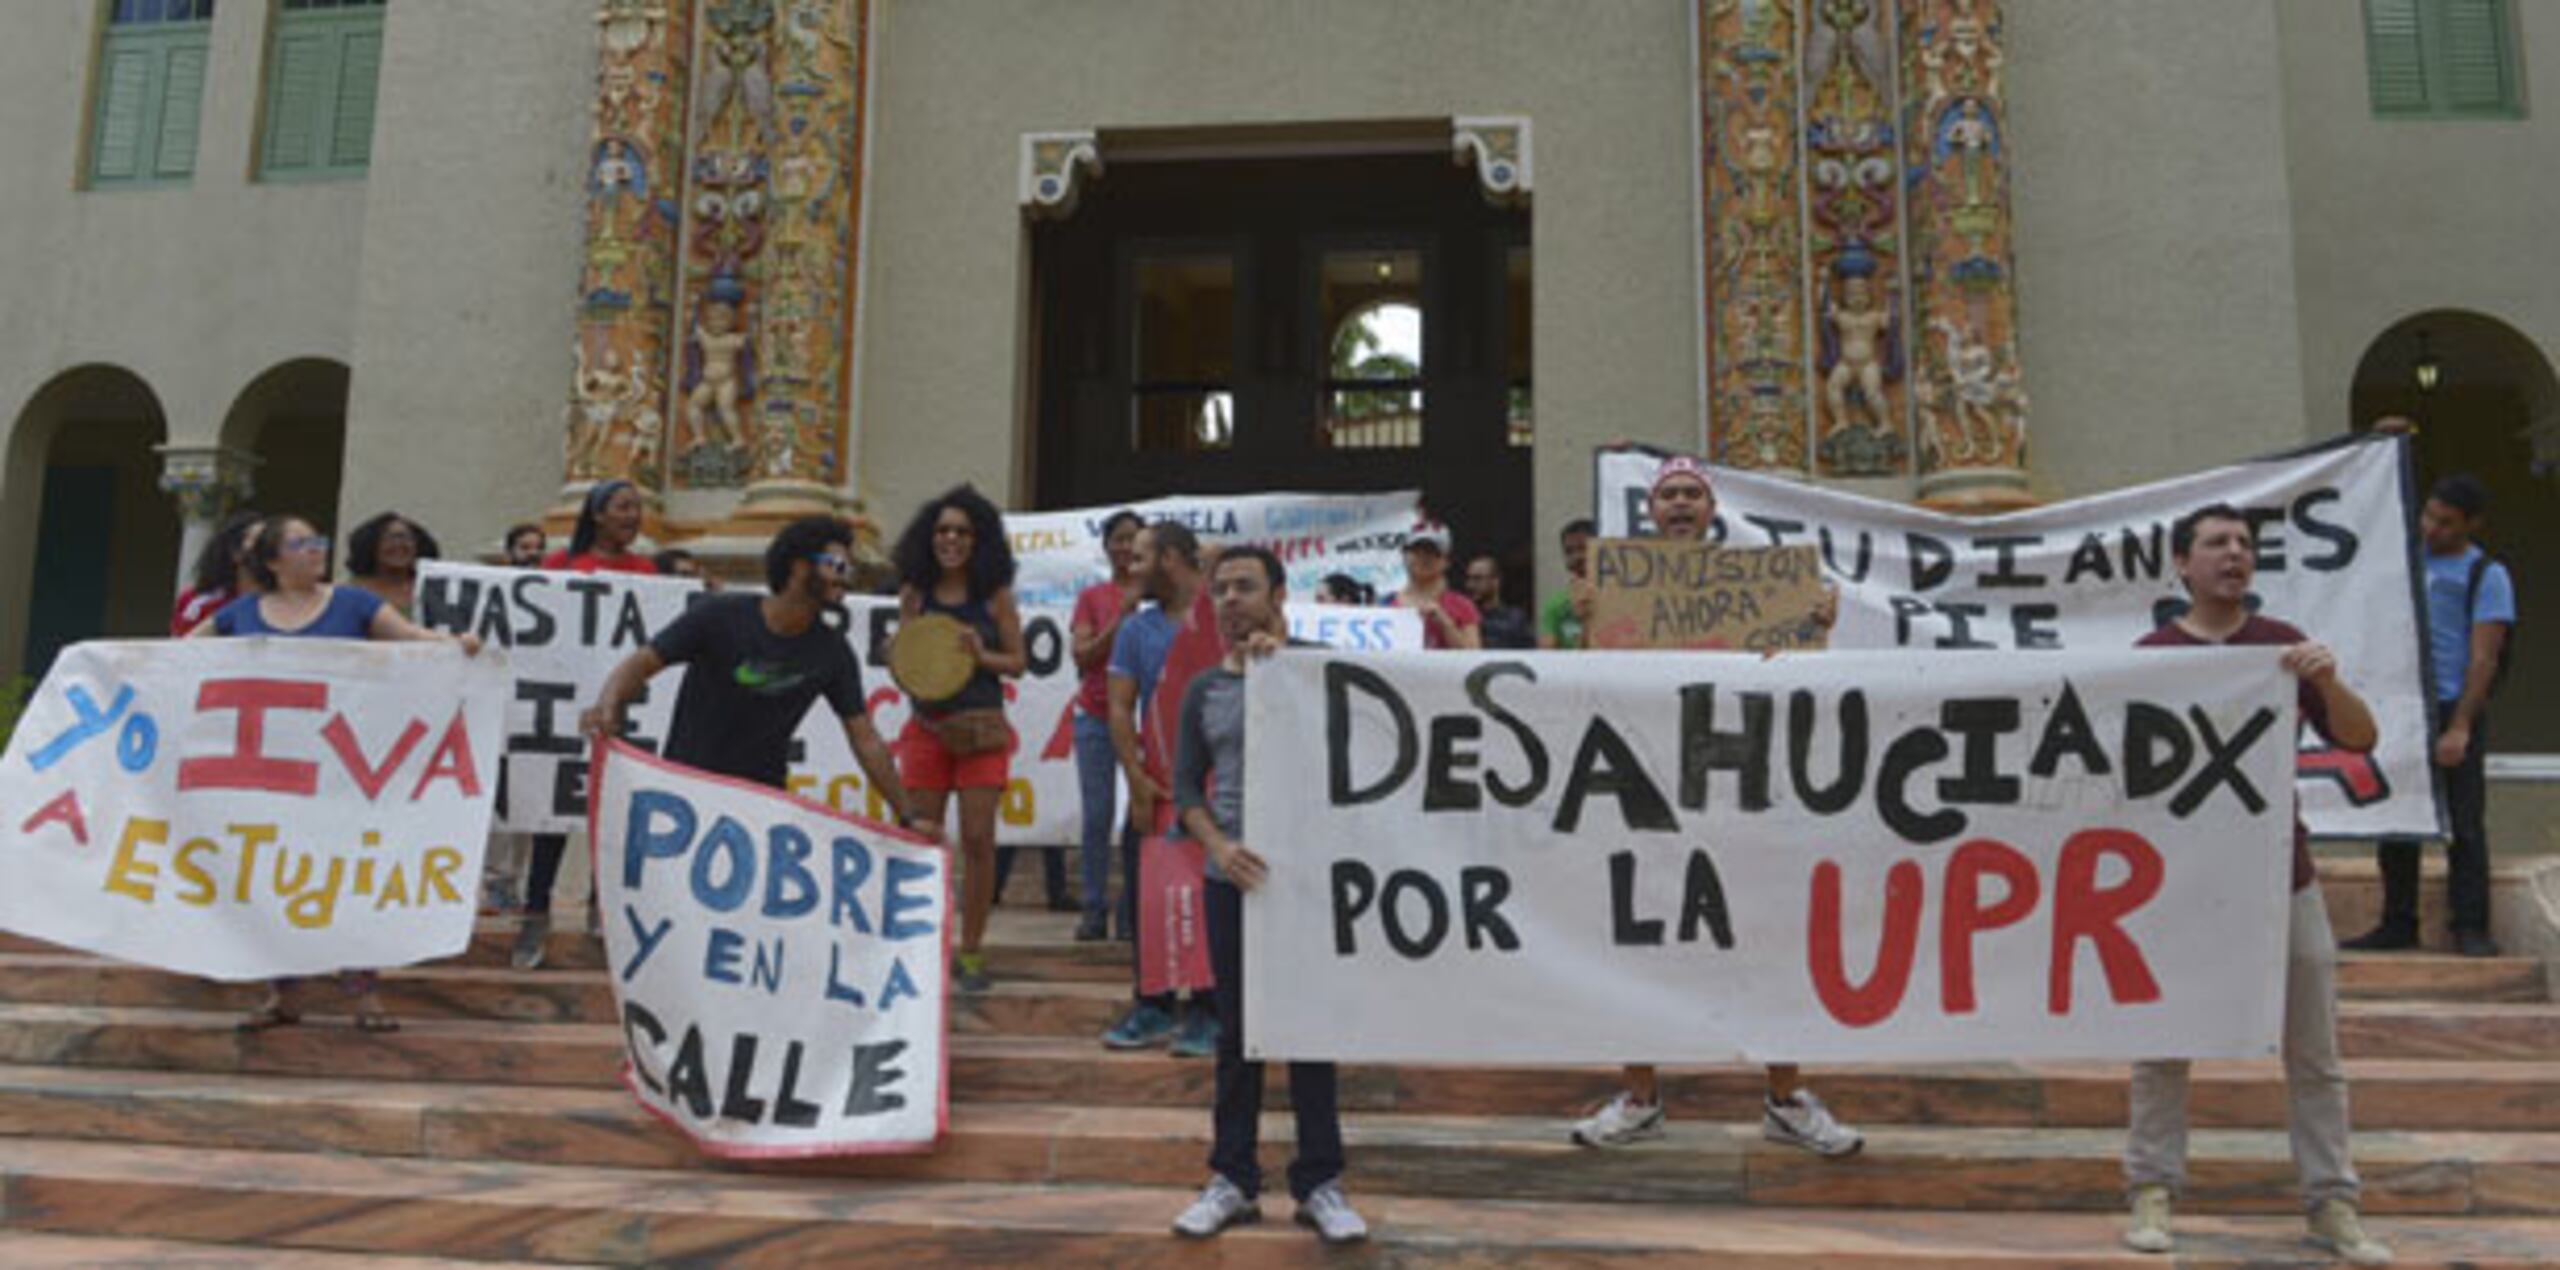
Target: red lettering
(1062, 739)
(452, 761)
(65, 808)
(248, 766)
(2082, 911)
(370, 779)
(1965, 914)
(1874, 1001)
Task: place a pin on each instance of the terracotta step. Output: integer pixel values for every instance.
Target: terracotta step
(1696, 1162)
(2513, 1096)
(632, 1217)
(28, 1250)
(2416, 976)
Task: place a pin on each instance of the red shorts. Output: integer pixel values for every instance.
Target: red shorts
(924, 764)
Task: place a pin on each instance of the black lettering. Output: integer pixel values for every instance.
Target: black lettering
(1626, 930)
(687, 1082)
(867, 1093)
(637, 1021)
(1444, 783)
(1905, 608)
(1960, 625)
(2089, 558)
(445, 603)
(1481, 891)
(1340, 677)
(2269, 544)
(2004, 554)
(1853, 752)
(1909, 753)
(2340, 540)
(549, 736)
(2156, 750)
(1404, 882)
(1866, 555)
(1932, 561)
(590, 593)
(1354, 887)
(1704, 750)
(1605, 765)
(1981, 721)
(790, 1110)
(2144, 552)
(569, 788)
(1702, 903)
(1043, 646)
(539, 629)
(736, 1102)
(884, 627)
(630, 626)
(2222, 763)
(1776, 529)
(2030, 626)
(1480, 695)
(2067, 731)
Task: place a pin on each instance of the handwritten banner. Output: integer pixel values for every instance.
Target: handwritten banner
(2337, 557)
(1060, 553)
(778, 966)
(1350, 628)
(1652, 593)
(1569, 858)
(251, 808)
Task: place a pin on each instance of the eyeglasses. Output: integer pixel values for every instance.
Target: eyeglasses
(832, 564)
(307, 542)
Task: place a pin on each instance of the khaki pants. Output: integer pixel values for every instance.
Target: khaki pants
(2155, 1151)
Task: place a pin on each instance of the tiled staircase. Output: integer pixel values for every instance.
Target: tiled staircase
(142, 1129)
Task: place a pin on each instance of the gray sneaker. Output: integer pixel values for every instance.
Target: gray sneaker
(1805, 1122)
(1220, 1205)
(531, 936)
(1330, 1214)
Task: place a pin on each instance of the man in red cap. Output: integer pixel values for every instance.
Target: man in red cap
(1682, 504)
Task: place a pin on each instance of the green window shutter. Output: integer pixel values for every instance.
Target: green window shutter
(2395, 57)
(181, 101)
(2475, 60)
(296, 81)
(123, 110)
(359, 71)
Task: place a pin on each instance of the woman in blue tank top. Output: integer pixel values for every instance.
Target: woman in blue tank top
(290, 562)
(954, 560)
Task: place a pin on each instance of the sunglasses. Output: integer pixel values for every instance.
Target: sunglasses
(832, 565)
(307, 542)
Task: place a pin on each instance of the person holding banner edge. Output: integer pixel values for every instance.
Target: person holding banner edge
(755, 664)
(2215, 551)
(1682, 504)
(1099, 611)
(954, 560)
(1250, 590)
(289, 562)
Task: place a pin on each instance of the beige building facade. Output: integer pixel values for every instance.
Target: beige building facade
(2198, 231)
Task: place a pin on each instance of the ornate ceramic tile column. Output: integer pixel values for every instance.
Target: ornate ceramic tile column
(1853, 212)
(208, 481)
(1972, 409)
(1754, 230)
(635, 161)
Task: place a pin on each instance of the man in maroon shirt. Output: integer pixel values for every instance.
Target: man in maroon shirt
(2216, 555)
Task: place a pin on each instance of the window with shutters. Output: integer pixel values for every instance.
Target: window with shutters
(2442, 59)
(323, 60)
(148, 90)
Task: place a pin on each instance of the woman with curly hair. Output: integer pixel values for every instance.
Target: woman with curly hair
(220, 574)
(383, 555)
(953, 560)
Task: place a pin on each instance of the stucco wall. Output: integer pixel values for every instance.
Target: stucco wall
(474, 221)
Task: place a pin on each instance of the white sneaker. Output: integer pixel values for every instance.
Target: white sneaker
(1325, 1209)
(1618, 1122)
(2149, 1230)
(2335, 1226)
(1220, 1205)
(1805, 1122)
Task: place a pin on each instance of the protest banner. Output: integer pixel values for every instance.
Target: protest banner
(2337, 557)
(563, 632)
(778, 967)
(1357, 628)
(1894, 856)
(1654, 593)
(253, 808)
(1059, 553)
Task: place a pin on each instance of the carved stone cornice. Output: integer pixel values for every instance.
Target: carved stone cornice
(1052, 162)
(1498, 147)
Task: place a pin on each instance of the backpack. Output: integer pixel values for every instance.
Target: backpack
(2471, 605)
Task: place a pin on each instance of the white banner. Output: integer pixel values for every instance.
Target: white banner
(252, 808)
(778, 967)
(563, 633)
(1349, 628)
(2337, 557)
(1060, 553)
(1676, 857)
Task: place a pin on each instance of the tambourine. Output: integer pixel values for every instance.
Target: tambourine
(928, 659)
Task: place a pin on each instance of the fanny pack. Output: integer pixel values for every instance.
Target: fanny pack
(967, 732)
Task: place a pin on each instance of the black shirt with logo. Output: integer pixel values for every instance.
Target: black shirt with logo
(746, 688)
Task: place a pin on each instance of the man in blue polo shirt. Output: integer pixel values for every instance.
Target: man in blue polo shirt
(2471, 609)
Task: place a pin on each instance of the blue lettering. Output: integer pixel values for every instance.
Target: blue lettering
(853, 868)
(837, 988)
(902, 872)
(139, 741)
(91, 722)
(767, 973)
(899, 985)
(720, 955)
(642, 841)
(727, 838)
(786, 869)
(649, 939)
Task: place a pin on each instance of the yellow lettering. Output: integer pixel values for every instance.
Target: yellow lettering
(251, 837)
(436, 874)
(841, 790)
(1016, 808)
(201, 889)
(130, 874)
(364, 874)
(310, 907)
(395, 889)
(800, 783)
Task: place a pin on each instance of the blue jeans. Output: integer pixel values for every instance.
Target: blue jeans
(1098, 777)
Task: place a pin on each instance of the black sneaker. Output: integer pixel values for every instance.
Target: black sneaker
(1091, 931)
(2474, 943)
(2383, 938)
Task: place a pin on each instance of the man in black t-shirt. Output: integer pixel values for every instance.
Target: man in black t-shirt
(755, 664)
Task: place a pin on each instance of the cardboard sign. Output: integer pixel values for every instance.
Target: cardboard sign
(779, 967)
(1173, 939)
(1857, 857)
(2337, 557)
(252, 808)
(1655, 593)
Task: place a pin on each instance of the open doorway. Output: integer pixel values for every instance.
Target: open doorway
(83, 477)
